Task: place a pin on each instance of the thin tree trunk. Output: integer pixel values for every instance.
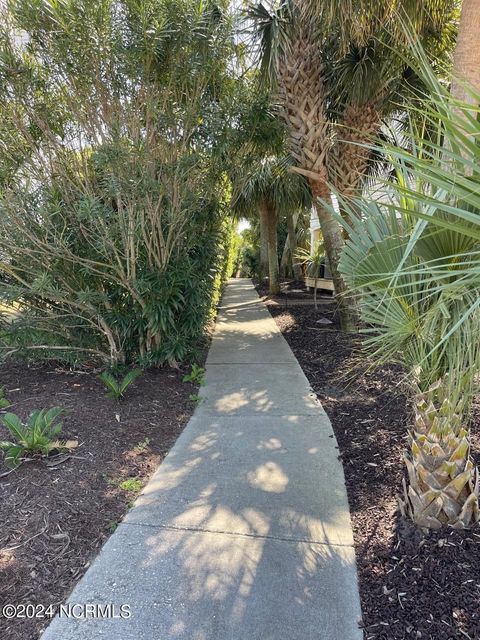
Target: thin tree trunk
(334, 243)
(292, 243)
(263, 215)
(273, 270)
(466, 63)
(285, 258)
(315, 293)
(466, 59)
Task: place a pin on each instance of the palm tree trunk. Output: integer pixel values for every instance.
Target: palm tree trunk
(284, 259)
(303, 98)
(443, 484)
(292, 244)
(334, 243)
(263, 216)
(350, 155)
(273, 270)
(466, 60)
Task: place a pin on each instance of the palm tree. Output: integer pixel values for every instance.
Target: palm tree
(296, 231)
(466, 59)
(313, 260)
(259, 136)
(336, 82)
(271, 189)
(408, 315)
(419, 280)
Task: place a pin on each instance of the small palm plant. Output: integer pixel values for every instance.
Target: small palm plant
(38, 436)
(313, 262)
(413, 316)
(117, 388)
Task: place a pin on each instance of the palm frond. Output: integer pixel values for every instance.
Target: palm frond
(110, 382)
(270, 180)
(129, 379)
(269, 26)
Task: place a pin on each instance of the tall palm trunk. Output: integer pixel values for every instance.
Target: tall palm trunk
(292, 244)
(466, 60)
(263, 217)
(350, 156)
(334, 243)
(273, 269)
(300, 78)
(285, 259)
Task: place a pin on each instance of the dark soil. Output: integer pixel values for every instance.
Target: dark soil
(292, 288)
(292, 293)
(56, 514)
(412, 586)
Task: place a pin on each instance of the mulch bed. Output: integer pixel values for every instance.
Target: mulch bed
(293, 289)
(411, 585)
(54, 519)
(292, 293)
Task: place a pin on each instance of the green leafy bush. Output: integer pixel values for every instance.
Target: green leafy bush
(37, 436)
(196, 375)
(196, 399)
(114, 230)
(117, 389)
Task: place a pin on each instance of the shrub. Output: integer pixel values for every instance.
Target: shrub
(114, 237)
(196, 375)
(37, 437)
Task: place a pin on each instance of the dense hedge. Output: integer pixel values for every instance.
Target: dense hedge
(115, 232)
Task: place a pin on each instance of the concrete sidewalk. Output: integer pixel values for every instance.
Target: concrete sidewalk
(244, 531)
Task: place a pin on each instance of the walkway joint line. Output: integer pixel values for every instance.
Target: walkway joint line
(237, 534)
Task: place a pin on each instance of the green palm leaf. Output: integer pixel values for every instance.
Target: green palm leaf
(129, 379)
(14, 425)
(13, 456)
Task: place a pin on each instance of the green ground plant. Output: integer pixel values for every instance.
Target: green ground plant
(196, 375)
(196, 399)
(38, 436)
(118, 388)
(131, 484)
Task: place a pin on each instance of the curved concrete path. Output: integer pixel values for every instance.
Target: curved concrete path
(244, 531)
